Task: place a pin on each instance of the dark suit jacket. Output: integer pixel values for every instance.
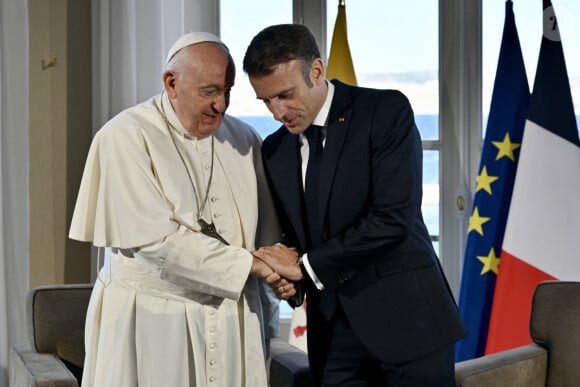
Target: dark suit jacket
(376, 252)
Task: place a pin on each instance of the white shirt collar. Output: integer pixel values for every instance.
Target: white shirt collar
(322, 116)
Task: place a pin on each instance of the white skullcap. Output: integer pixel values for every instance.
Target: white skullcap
(189, 39)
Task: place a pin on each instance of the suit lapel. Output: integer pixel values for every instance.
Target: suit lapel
(286, 174)
(338, 123)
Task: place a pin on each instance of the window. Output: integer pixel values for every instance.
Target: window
(237, 30)
(432, 52)
(390, 53)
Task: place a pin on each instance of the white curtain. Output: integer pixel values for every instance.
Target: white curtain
(130, 40)
(14, 166)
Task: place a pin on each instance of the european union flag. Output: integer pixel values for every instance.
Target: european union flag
(505, 127)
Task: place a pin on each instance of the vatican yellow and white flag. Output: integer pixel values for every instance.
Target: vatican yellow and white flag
(340, 61)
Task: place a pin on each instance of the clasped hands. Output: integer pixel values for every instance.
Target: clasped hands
(278, 264)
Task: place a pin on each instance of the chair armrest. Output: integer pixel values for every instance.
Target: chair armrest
(288, 366)
(522, 366)
(32, 369)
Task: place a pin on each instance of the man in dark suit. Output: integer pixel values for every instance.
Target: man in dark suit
(380, 311)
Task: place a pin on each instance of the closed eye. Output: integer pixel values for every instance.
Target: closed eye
(209, 92)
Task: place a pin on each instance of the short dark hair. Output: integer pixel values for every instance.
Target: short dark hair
(280, 44)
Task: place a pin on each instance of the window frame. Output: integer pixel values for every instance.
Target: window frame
(460, 116)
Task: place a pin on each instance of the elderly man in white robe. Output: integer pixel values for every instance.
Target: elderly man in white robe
(174, 196)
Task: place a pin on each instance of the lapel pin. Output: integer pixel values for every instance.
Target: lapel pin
(340, 119)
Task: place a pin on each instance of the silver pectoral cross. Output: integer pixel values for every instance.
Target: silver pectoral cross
(210, 230)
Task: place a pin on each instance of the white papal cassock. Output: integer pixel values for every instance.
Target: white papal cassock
(172, 306)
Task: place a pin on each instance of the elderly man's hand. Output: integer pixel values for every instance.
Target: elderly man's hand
(283, 288)
(260, 269)
(282, 259)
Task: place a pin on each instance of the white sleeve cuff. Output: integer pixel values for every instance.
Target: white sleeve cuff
(313, 276)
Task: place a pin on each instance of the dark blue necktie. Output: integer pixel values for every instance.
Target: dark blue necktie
(313, 134)
(313, 209)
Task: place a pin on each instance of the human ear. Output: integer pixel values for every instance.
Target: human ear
(169, 80)
(317, 72)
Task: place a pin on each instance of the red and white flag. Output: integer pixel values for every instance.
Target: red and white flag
(298, 333)
(542, 236)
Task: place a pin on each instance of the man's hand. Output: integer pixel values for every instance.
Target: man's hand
(283, 288)
(282, 259)
(260, 269)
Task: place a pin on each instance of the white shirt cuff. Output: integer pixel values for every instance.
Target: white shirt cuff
(311, 273)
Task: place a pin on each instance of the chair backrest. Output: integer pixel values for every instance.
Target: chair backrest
(555, 324)
(56, 322)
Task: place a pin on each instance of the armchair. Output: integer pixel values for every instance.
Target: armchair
(288, 366)
(55, 351)
(552, 360)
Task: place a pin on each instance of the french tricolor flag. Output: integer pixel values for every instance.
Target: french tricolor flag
(542, 236)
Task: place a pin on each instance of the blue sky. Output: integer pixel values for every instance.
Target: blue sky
(396, 45)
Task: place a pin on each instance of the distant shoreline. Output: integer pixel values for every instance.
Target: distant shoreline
(428, 124)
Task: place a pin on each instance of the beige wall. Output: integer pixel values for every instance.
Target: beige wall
(60, 134)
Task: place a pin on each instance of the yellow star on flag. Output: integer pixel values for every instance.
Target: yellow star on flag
(490, 263)
(476, 221)
(484, 181)
(505, 148)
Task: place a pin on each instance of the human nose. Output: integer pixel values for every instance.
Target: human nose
(220, 102)
(278, 109)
